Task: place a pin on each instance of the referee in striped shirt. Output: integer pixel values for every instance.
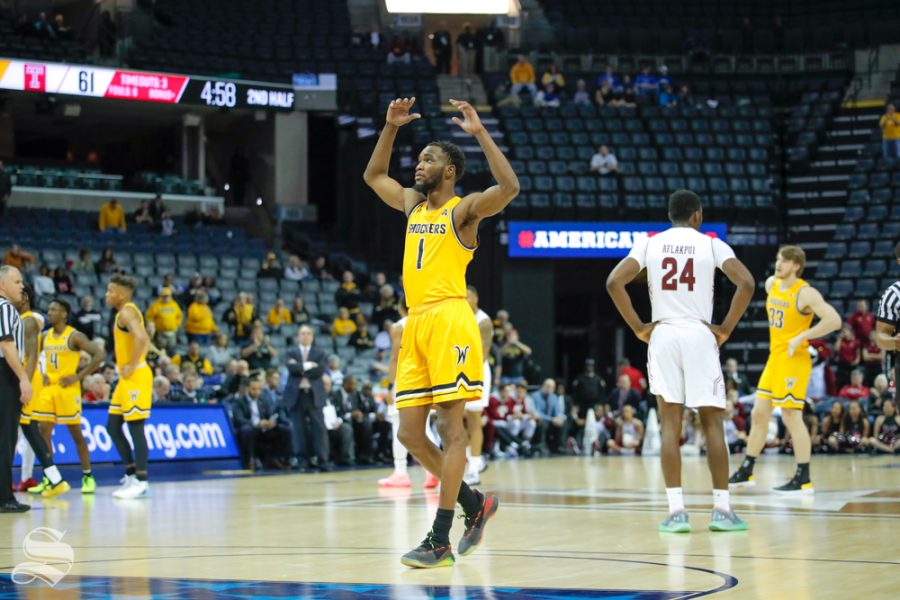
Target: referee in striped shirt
(15, 386)
(887, 325)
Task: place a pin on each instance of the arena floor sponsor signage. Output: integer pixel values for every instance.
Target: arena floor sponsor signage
(173, 433)
(548, 239)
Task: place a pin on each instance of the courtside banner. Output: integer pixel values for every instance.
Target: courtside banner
(560, 239)
(173, 433)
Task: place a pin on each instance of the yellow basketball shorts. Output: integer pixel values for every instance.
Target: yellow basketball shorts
(440, 355)
(133, 395)
(58, 404)
(785, 378)
(37, 385)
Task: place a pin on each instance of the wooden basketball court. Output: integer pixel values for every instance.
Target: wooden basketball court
(567, 527)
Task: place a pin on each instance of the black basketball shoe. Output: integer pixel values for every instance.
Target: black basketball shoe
(429, 554)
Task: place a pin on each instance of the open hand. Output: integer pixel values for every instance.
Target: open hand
(398, 113)
(794, 344)
(471, 122)
(720, 333)
(67, 381)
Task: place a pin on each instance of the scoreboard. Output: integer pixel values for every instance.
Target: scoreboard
(143, 86)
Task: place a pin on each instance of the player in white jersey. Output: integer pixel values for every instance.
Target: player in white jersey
(475, 408)
(683, 355)
(400, 477)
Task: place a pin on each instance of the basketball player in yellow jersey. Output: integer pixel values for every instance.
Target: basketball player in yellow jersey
(131, 401)
(440, 362)
(60, 399)
(791, 305)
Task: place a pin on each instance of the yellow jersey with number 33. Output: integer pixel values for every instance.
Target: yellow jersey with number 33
(434, 258)
(785, 319)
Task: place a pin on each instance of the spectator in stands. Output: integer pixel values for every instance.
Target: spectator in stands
(167, 224)
(15, 257)
(278, 315)
(520, 423)
(213, 293)
(379, 367)
(112, 217)
(5, 187)
(886, 437)
(398, 51)
(879, 394)
(872, 356)
(256, 422)
(831, 424)
(43, 28)
(342, 325)
(387, 305)
(501, 327)
(84, 264)
(62, 280)
(548, 96)
(348, 295)
(95, 389)
(88, 319)
(383, 337)
(604, 162)
(442, 46)
(201, 324)
(195, 217)
(890, 131)
(270, 269)
(358, 409)
(155, 354)
(333, 370)
(63, 31)
(588, 389)
(295, 269)
(194, 356)
(735, 436)
(273, 390)
(629, 433)
(581, 96)
(372, 291)
(513, 356)
(157, 208)
(194, 392)
(340, 434)
(43, 282)
(219, 354)
(547, 411)
(646, 83)
(552, 75)
(521, 75)
(107, 264)
(624, 395)
(667, 97)
(492, 43)
(241, 316)
(374, 37)
(625, 97)
(467, 51)
(855, 390)
(304, 397)
(849, 353)
(168, 318)
(320, 269)
(638, 382)
(605, 94)
(259, 352)
(854, 433)
(736, 375)
(607, 78)
(361, 340)
(685, 98)
(862, 321)
(143, 216)
(504, 97)
(299, 314)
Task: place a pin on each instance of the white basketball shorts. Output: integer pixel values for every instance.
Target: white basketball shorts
(683, 365)
(479, 405)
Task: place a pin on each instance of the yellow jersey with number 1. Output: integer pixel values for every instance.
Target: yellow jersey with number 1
(434, 258)
(785, 319)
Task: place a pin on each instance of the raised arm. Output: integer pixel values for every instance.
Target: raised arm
(810, 299)
(624, 273)
(738, 274)
(478, 205)
(376, 175)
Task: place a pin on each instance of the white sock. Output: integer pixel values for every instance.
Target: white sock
(432, 434)
(27, 453)
(468, 452)
(676, 499)
(722, 500)
(475, 464)
(52, 473)
(400, 452)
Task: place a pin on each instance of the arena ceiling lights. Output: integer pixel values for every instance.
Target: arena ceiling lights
(457, 7)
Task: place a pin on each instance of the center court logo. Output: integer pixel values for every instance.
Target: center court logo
(50, 559)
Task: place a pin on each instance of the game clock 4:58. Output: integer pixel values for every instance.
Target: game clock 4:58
(237, 94)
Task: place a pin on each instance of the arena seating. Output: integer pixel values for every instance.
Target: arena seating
(42, 176)
(16, 45)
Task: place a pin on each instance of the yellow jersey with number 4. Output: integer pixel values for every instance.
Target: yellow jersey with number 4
(785, 319)
(61, 360)
(434, 258)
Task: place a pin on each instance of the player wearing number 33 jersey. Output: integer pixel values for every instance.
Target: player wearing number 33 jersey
(683, 356)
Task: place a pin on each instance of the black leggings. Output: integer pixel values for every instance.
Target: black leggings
(38, 444)
(136, 428)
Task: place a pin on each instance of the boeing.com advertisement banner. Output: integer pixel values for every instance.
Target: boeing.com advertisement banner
(173, 433)
(560, 239)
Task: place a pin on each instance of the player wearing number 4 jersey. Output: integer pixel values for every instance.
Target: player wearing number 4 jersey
(790, 306)
(683, 357)
(440, 361)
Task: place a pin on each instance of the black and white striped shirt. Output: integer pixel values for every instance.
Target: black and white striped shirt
(889, 307)
(11, 327)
